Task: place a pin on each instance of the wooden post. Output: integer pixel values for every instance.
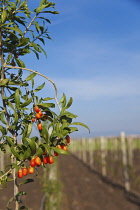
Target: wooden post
(124, 159)
(91, 151)
(116, 149)
(103, 155)
(84, 150)
(130, 150)
(1, 161)
(80, 149)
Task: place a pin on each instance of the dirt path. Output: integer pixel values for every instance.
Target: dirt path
(32, 199)
(83, 190)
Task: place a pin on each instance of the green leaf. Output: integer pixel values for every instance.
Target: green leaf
(52, 12)
(23, 207)
(15, 118)
(29, 130)
(30, 77)
(17, 98)
(11, 199)
(47, 20)
(9, 58)
(39, 87)
(3, 16)
(70, 130)
(35, 46)
(69, 103)
(63, 100)
(26, 153)
(69, 114)
(20, 63)
(26, 103)
(81, 124)
(20, 193)
(2, 118)
(15, 29)
(47, 99)
(15, 151)
(60, 151)
(26, 181)
(44, 132)
(43, 49)
(31, 143)
(10, 140)
(46, 105)
(11, 105)
(23, 42)
(3, 130)
(39, 151)
(39, 9)
(37, 55)
(3, 82)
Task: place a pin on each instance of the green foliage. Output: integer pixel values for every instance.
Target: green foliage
(23, 31)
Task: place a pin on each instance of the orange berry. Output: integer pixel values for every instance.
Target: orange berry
(67, 139)
(31, 170)
(39, 126)
(36, 109)
(55, 153)
(20, 175)
(64, 147)
(38, 161)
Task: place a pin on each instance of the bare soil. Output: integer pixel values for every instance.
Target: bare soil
(83, 189)
(33, 190)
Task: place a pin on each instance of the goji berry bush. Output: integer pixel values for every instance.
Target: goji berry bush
(21, 31)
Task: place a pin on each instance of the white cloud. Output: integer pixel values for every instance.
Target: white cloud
(90, 89)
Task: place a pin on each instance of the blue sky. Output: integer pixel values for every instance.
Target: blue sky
(95, 58)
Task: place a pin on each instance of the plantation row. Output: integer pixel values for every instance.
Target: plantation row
(116, 158)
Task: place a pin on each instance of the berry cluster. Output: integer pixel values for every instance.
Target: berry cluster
(45, 159)
(38, 116)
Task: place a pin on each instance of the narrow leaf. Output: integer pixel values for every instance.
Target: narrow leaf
(3, 16)
(60, 151)
(39, 87)
(26, 181)
(3, 82)
(69, 103)
(17, 98)
(81, 124)
(30, 77)
(26, 103)
(20, 63)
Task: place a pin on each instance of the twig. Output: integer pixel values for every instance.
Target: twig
(30, 24)
(56, 91)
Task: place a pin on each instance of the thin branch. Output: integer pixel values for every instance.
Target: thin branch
(10, 170)
(30, 24)
(53, 83)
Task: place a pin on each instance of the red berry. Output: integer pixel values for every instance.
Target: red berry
(31, 170)
(55, 153)
(39, 126)
(50, 159)
(45, 160)
(40, 113)
(67, 139)
(24, 171)
(64, 147)
(36, 109)
(59, 146)
(20, 175)
(33, 119)
(32, 162)
(37, 115)
(38, 161)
